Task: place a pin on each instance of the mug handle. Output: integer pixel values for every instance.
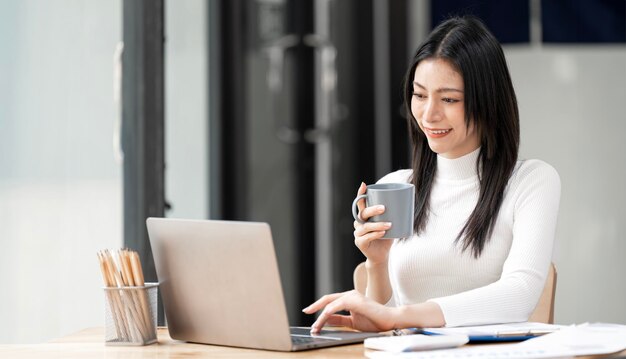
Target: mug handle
(354, 208)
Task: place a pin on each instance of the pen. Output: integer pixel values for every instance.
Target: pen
(523, 333)
(407, 331)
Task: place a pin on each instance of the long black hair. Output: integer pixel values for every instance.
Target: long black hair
(490, 103)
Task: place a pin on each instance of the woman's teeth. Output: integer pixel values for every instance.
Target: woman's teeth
(440, 132)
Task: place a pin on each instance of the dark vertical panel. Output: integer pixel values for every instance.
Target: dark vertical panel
(353, 132)
(354, 140)
(362, 105)
(143, 122)
(232, 82)
(300, 21)
(507, 20)
(214, 101)
(588, 21)
(400, 147)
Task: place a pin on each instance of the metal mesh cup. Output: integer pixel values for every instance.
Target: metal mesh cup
(131, 315)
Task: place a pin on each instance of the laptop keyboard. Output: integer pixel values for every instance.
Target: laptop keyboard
(304, 340)
(301, 335)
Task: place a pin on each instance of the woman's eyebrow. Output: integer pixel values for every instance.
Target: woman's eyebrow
(443, 89)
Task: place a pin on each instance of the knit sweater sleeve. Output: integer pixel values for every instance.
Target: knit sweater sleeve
(536, 189)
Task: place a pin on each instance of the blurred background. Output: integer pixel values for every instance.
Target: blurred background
(274, 110)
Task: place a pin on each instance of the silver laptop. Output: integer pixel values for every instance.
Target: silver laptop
(220, 285)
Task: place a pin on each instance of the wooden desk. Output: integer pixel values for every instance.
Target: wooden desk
(89, 343)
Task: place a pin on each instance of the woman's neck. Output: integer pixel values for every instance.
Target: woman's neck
(459, 168)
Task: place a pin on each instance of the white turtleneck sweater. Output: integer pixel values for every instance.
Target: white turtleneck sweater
(502, 285)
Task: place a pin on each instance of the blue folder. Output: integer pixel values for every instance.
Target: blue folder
(496, 333)
(500, 337)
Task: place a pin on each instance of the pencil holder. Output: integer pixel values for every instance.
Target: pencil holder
(131, 315)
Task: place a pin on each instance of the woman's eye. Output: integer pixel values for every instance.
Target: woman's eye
(450, 100)
(419, 95)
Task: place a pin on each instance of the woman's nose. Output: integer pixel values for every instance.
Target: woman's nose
(431, 112)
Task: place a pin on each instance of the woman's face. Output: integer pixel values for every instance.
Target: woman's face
(438, 106)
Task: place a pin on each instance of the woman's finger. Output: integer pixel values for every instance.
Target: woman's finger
(322, 302)
(361, 204)
(367, 212)
(329, 310)
(371, 227)
(362, 189)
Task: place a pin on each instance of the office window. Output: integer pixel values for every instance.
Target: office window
(60, 184)
(584, 21)
(186, 181)
(507, 20)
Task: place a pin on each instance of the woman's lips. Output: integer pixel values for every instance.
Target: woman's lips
(437, 133)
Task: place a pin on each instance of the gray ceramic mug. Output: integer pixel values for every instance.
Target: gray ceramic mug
(399, 202)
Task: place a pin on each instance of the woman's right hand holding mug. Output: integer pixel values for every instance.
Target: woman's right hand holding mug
(367, 235)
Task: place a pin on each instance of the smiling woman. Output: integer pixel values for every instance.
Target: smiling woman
(484, 222)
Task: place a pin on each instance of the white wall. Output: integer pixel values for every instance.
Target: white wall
(60, 188)
(573, 115)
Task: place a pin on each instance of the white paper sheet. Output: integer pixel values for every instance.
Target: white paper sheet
(585, 339)
(415, 342)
